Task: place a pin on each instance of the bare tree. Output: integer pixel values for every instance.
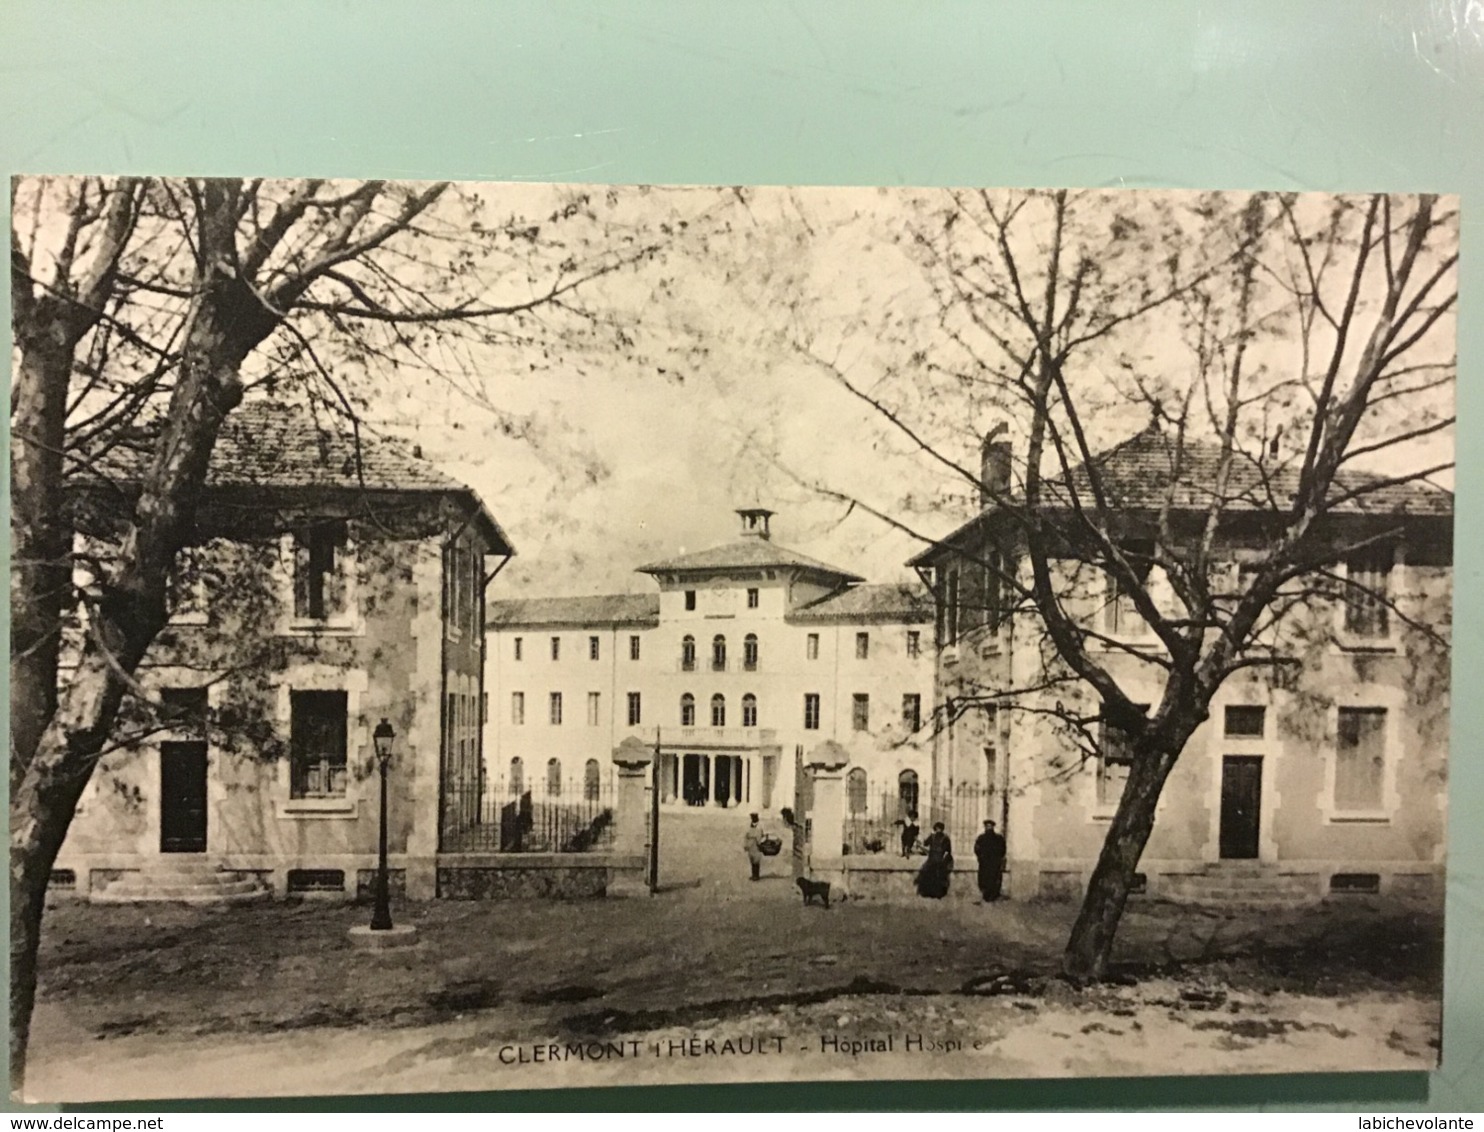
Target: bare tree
(1293, 360)
(141, 311)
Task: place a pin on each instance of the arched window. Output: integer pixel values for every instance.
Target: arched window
(907, 792)
(855, 789)
(718, 710)
(687, 653)
(687, 710)
(553, 777)
(749, 652)
(749, 710)
(517, 777)
(591, 779)
(718, 653)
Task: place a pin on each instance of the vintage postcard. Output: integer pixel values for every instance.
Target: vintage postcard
(495, 636)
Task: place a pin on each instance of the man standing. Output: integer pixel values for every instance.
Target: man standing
(752, 846)
(989, 849)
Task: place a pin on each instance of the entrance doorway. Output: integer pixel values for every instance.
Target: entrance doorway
(1241, 806)
(183, 797)
(721, 781)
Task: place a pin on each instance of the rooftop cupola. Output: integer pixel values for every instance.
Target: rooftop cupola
(755, 522)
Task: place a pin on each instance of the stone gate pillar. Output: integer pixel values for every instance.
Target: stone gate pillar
(632, 757)
(827, 762)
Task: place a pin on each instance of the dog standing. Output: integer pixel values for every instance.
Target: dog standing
(814, 890)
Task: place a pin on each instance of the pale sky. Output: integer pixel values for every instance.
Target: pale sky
(740, 412)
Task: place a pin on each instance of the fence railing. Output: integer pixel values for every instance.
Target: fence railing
(575, 817)
(882, 823)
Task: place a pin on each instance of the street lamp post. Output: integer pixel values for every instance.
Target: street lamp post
(381, 917)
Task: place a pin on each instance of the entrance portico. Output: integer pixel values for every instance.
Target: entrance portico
(717, 768)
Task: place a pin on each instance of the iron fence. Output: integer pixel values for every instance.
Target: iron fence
(895, 822)
(552, 817)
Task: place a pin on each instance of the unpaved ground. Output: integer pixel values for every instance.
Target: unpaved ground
(271, 999)
(1163, 1026)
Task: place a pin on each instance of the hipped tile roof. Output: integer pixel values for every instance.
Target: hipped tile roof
(638, 610)
(888, 601)
(747, 553)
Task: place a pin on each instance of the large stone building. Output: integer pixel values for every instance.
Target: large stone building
(747, 659)
(331, 586)
(1328, 777)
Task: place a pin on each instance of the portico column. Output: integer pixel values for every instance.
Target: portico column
(632, 757)
(828, 762)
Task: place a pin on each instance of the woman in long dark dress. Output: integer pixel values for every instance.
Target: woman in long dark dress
(933, 877)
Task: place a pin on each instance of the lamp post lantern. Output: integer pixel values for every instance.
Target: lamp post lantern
(381, 917)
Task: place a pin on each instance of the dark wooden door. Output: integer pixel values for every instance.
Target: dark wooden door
(183, 797)
(1241, 805)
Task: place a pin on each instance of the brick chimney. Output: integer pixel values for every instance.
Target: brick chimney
(994, 466)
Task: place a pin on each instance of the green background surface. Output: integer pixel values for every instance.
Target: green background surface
(1349, 94)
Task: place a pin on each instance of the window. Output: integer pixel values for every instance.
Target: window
(556, 648)
(592, 780)
(718, 653)
(1244, 722)
(319, 588)
(1360, 761)
(317, 744)
(752, 598)
(593, 648)
(520, 648)
(749, 652)
(1367, 592)
(862, 646)
(184, 710)
(1115, 757)
(554, 778)
(484, 708)
(914, 643)
(185, 595)
(907, 793)
(517, 777)
(688, 653)
(634, 648)
(950, 607)
(912, 711)
(718, 710)
(594, 708)
(749, 710)
(634, 709)
(556, 708)
(518, 708)
(856, 785)
(860, 711)
(1120, 616)
(811, 711)
(687, 710)
(690, 600)
(811, 646)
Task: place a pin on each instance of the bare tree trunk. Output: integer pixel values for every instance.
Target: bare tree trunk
(41, 810)
(1091, 942)
(126, 620)
(39, 539)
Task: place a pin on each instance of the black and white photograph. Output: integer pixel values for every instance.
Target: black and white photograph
(480, 636)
